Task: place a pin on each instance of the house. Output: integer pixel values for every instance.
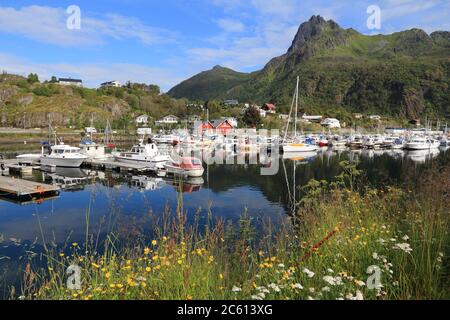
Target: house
(375, 118)
(357, 116)
(222, 126)
(312, 118)
(168, 120)
(269, 108)
(70, 82)
(142, 120)
(113, 83)
(144, 131)
(283, 116)
(331, 123)
(231, 102)
(201, 127)
(262, 113)
(232, 121)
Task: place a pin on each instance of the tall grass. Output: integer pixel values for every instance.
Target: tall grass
(323, 252)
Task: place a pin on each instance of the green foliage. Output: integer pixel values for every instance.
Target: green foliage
(252, 117)
(33, 78)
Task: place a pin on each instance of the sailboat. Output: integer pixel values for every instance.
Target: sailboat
(296, 144)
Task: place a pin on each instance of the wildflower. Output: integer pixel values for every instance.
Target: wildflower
(146, 251)
(96, 266)
(119, 285)
(403, 246)
(326, 289)
(210, 259)
(360, 283)
(281, 266)
(165, 238)
(330, 280)
(312, 290)
(297, 286)
(405, 238)
(148, 269)
(330, 270)
(310, 298)
(375, 255)
(189, 297)
(357, 296)
(255, 297)
(274, 287)
(220, 276)
(180, 262)
(154, 242)
(61, 254)
(74, 244)
(236, 289)
(107, 275)
(309, 273)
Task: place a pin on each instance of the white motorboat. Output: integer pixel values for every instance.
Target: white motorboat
(421, 143)
(186, 166)
(63, 155)
(145, 154)
(299, 147)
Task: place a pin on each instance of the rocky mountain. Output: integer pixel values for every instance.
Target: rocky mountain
(405, 74)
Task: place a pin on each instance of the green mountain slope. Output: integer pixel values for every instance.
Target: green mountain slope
(209, 84)
(405, 74)
(27, 103)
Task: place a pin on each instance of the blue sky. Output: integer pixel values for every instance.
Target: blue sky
(165, 42)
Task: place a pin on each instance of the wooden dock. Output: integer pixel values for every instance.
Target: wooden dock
(111, 165)
(21, 188)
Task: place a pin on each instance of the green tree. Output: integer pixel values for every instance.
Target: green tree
(252, 117)
(33, 78)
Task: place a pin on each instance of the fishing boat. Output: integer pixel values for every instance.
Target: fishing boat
(185, 166)
(421, 143)
(63, 155)
(296, 143)
(141, 153)
(93, 150)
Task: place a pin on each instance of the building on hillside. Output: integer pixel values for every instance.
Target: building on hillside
(262, 113)
(232, 102)
(312, 118)
(70, 82)
(113, 83)
(331, 123)
(375, 118)
(142, 120)
(270, 108)
(201, 126)
(358, 116)
(168, 120)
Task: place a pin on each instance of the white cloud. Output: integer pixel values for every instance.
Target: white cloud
(231, 25)
(92, 73)
(48, 25)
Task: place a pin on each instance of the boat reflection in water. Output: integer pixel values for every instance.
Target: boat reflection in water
(422, 156)
(187, 185)
(146, 183)
(300, 157)
(68, 179)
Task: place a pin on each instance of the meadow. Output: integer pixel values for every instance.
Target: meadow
(346, 240)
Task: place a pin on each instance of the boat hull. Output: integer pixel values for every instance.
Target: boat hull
(62, 162)
(193, 173)
(289, 148)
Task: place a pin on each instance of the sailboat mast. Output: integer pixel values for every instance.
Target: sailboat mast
(296, 106)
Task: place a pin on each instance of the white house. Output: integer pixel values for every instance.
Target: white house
(142, 120)
(113, 83)
(375, 117)
(262, 113)
(312, 118)
(331, 123)
(144, 131)
(168, 120)
(70, 82)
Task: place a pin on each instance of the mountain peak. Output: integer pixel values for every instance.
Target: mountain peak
(312, 28)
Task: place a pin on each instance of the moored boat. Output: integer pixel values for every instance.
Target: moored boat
(63, 155)
(186, 166)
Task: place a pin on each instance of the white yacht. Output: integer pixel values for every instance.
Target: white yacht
(143, 154)
(63, 155)
(421, 143)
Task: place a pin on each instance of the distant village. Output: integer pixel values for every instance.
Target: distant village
(223, 125)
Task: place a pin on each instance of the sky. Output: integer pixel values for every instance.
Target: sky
(165, 42)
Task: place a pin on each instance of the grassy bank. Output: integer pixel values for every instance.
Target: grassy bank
(341, 230)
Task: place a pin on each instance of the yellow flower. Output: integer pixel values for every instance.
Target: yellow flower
(165, 238)
(107, 275)
(146, 251)
(210, 259)
(95, 265)
(180, 262)
(189, 297)
(155, 258)
(61, 255)
(148, 269)
(154, 242)
(119, 285)
(220, 276)
(112, 285)
(75, 244)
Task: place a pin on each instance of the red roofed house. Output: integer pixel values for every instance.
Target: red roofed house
(222, 126)
(270, 108)
(201, 127)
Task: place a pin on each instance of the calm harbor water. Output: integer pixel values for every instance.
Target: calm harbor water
(127, 204)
